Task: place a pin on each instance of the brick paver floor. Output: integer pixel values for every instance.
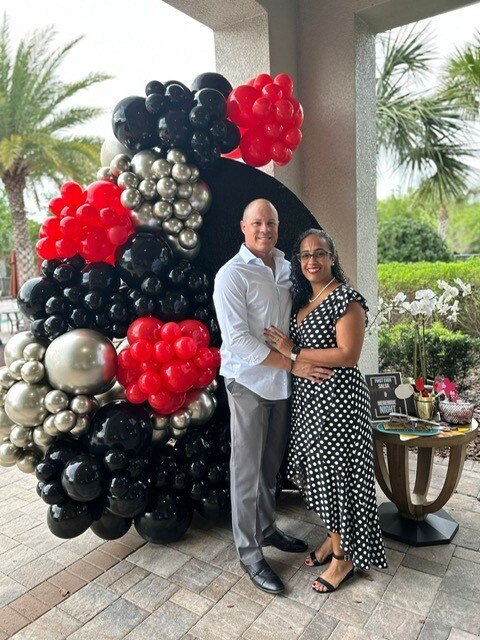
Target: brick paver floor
(195, 589)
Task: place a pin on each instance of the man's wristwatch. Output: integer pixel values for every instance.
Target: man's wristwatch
(295, 353)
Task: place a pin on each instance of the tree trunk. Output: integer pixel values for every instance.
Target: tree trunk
(15, 183)
(443, 221)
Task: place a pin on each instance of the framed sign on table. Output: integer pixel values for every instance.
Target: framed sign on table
(382, 394)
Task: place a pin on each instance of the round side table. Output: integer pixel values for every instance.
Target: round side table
(409, 516)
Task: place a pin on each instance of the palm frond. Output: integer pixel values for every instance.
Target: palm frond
(462, 77)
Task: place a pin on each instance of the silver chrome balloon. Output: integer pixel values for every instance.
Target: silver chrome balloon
(182, 209)
(81, 361)
(161, 437)
(33, 371)
(6, 378)
(9, 454)
(81, 405)
(188, 238)
(15, 369)
(161, 168)
(81, 427)
(127, 180)
(56, 401)
(200, 403)
(49, 425)
(201, 197)
(167, 188)
(111, 147)
(172, 226)
(24, 403)
(3, 393)
(117, 392)
(161, 422)
(177, 248)
(21, 436)
(28, 460)
(184, 191)
(119, 164)
(162, 210)
(176, 156)
(195, 173)
(34, 351)
(15, 346)
(41, 437)
(5, 423)
(194, 221)
(180, 419)
(65, 420)
(213, 386)
(148, 189)
(181, 172)
(130, 198)
(104, 174)
(142, 163)
(178, 433)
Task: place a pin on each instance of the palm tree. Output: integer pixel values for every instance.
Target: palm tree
(425, 133)
(462, 76)
(33, 119)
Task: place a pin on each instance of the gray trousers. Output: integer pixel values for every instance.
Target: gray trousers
(259, 430)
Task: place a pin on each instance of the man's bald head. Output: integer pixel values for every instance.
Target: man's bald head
(259, 206)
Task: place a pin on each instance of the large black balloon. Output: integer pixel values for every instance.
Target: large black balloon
(110, 526)
(144, 254)
(33, 296)
(119, 425)
(83, 478)
(166, 519)
(69, 520)
(133, 125)
(212, 80)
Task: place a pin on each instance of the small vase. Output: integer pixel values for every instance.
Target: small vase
(424, 407)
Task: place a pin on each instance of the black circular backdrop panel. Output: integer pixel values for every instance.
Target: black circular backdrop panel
(233, 186)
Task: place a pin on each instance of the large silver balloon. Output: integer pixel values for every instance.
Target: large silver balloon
(177, 248)
(56, 401)
(119, 164)
(34, 351)
(24, 403)
(21, 436)
(9, 454)
(81, 361)
(33, 371)
(201, 197)
(15, 346)
(201, 405)
(131, 198)
(111, 148)
(127, 180)
(117, 392)
(142, 163)
(188, 239)
(28, 460)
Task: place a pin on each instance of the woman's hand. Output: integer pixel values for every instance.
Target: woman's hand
(276, 339)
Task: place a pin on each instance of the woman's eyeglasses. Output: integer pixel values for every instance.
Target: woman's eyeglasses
(318, 254)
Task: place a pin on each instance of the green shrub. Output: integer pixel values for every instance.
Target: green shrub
(450, 353)
(406, 239)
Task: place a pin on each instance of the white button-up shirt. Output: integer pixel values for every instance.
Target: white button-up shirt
(248, 298)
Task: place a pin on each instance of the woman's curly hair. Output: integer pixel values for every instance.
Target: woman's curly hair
(302, 289)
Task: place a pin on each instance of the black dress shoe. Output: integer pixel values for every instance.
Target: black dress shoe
(264, 577)
(284, 542)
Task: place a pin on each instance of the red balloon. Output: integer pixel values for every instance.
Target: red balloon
(126, 376)
(273, 129)
(134, 394)
(171, 331)
(272, 91)
(73, 194)
(205, 358)
(196, 330)
(66, 248)
(298, 113)
(150, 365)
(70, 226)
(166, 402)
(185, 347)
(284, 111)
(292, 138)
(217, 356)
(261, 80)
(109, 217)
(95, 244)
(118, 235)
(206, 377)
(239, 105)
(179, 376)
(88, 215)
(46, 248)
(144, 328)
(142, 350)
(279, 152)
(163, 351)
(286, 83)
(234, 155)
(288, 157)
(51, 227)
(262, 109)
(150, 382)
(56, 205)
(103, 194)
(255, 147)
(126, 360)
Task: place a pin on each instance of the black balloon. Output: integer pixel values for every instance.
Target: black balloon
(46, 470)
(216, 506)
(213, 101)
(62, 451)
(157, 104)
(101, 275)
(49, 266)
(211, 80)
(37, 327)
(174, 129)
(110, 526)
(69, 519)
(154, 86)
(120, 425)
(53, 493)
(54, 326)
(131, 502)
(144, 254)
(33, 296)
(166, 519)
(173, 306)
(66, 275)
(57, 305)
(133, 125)
(115, 460)
(83, 478)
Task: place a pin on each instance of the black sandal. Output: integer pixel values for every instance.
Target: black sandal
(330, 587)
(315, 561)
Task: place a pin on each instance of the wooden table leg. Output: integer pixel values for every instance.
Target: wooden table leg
(397, 456)
(422, 480)
(454, 471)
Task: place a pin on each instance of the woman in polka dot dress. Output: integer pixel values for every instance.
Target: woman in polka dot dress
(330, 453)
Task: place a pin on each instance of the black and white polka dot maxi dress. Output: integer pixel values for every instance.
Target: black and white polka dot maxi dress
(330, 454)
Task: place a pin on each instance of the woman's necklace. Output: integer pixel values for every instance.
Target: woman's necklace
(320, 292)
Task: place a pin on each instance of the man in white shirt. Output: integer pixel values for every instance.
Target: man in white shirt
(252, 292)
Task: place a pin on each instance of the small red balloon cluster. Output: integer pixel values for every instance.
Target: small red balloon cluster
(269, 119)
(92, 223)
(164, 361)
